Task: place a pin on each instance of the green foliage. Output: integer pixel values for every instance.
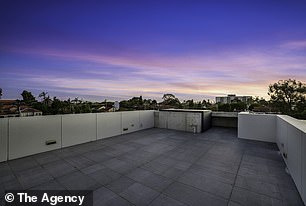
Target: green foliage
(28, 97)
(233, 107)
(289, 97)
(170, 101)
(137, 103)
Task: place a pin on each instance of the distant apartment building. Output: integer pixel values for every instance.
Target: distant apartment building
(232, 98)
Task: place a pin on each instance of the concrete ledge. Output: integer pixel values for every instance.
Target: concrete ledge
(225, 114)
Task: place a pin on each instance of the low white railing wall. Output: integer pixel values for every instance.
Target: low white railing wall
(260, 127)
(290, 136)
(23, 136)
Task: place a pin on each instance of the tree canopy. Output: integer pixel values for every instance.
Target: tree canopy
(288, 96)
(170, 100)
(28, 97)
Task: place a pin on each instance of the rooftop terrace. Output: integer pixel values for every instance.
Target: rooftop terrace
(161, 167)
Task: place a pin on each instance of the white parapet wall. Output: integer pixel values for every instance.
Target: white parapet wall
(3, 139)
(130, 122)
(78, 129)
(291, 140)
(146, 119)
(260, 127)
(290, 136)
(28, 135)
(109, 124)
(23, 136)
(304, 167)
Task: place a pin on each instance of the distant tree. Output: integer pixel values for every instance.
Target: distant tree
(57, 106)
(1, 93)
(18, 104)
(77, 100)
(238, 106)
(140, 100)
(153, 104)
(224, 107)
(85, 108)
(288, 96)
(28, 97)
(259, 105)
(43, 95)
(171, 100)
(190, 104)
(168, 97)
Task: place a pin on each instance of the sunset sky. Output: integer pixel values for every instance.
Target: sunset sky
(120, 49)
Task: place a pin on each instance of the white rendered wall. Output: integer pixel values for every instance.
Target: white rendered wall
(303, 193)
(146, 119)
(294, 154)
(3, 139)
(28, 135)
(130, 122)
(260, 127)
(78, 128)
(109, 124)
(292, 133)
(281, 136)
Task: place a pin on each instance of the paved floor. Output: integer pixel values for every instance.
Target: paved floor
(161, 167)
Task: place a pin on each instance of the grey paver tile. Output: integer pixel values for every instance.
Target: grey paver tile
(92, 168)
(22, 164)
(248, 198)
(192, 196)
(10, 185)
(33, 177)
(105, 176)
(45, 158)
(139, 194)
(291, 197)
(5, 170)
(207, 184)
(118, 201)
(119, 166)
(164, 200)
(77, 181)
(79, 161)
(258, 186)
(120, 184)
(50, 185)
(59, 168)
(105, 197)
(139, 169)
(222, 176)
(97, 156)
